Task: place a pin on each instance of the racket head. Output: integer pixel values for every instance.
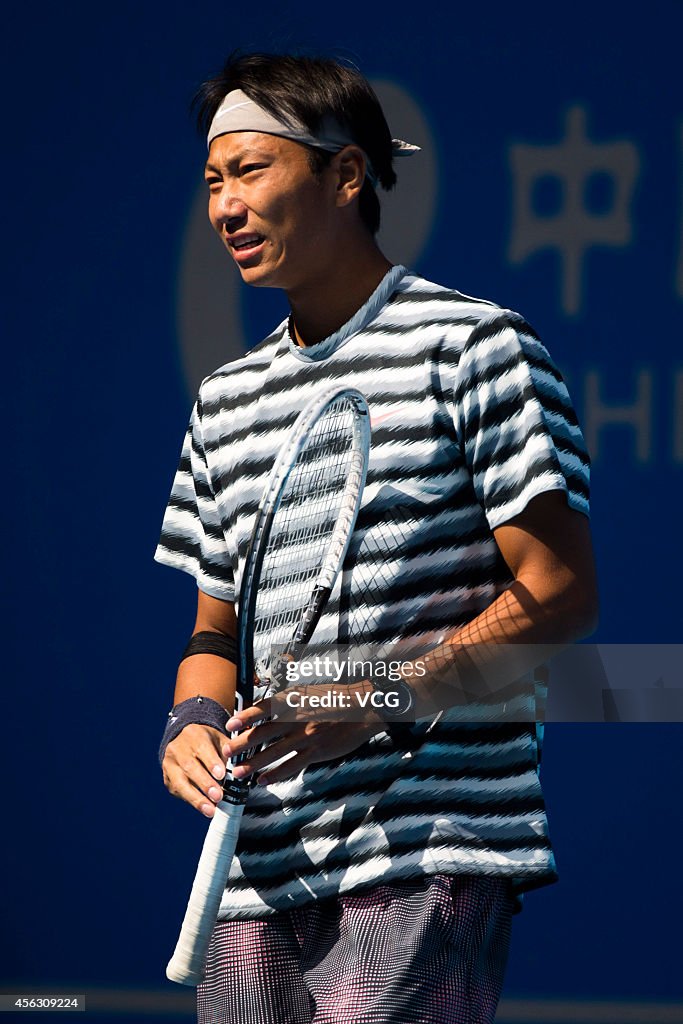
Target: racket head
(302, 530)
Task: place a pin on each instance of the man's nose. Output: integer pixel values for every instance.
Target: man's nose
(231, 207)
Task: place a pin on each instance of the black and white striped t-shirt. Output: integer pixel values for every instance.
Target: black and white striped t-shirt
(470, 421)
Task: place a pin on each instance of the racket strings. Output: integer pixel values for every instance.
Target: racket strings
(302, 529)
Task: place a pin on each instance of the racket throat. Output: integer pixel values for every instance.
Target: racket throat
(278, 669)
(309, 620)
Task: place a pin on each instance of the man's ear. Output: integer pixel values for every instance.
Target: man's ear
(349, 164)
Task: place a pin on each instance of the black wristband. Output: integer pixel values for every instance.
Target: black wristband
(207, 642)
(194, 711)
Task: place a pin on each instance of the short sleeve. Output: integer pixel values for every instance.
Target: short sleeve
(515, 421)
(192, 537)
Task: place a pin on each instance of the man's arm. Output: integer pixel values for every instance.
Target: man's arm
(194, 760)
(552, 600)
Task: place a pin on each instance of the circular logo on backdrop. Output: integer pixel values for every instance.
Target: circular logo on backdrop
(210, 314)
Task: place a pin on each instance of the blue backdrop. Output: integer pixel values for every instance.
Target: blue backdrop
(552, 182)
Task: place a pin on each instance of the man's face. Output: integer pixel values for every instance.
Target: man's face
(275, 217)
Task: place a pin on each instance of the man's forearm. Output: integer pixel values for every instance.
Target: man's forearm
(519, 631)
(209, 676)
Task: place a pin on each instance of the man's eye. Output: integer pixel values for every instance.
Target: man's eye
(248, 168)
(212, 182)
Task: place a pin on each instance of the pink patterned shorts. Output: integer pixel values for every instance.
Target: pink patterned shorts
(430, 951)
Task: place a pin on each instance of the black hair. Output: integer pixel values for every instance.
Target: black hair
(306, 90)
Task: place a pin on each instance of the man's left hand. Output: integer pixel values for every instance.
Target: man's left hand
(307, 742)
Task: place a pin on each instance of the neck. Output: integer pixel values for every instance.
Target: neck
(322, 307)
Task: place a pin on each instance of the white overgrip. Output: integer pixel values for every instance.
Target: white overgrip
(186, 966)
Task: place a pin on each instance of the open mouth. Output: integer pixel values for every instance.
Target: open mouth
(246, 242)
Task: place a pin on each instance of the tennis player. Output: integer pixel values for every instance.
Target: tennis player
(377, 868)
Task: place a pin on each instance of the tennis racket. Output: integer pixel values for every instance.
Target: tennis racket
(300, 537)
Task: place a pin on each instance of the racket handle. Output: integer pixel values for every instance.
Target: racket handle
(187, 964)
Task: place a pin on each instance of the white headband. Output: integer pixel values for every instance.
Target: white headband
(237, 113)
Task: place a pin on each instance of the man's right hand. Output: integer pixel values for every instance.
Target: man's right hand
(194, 767)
